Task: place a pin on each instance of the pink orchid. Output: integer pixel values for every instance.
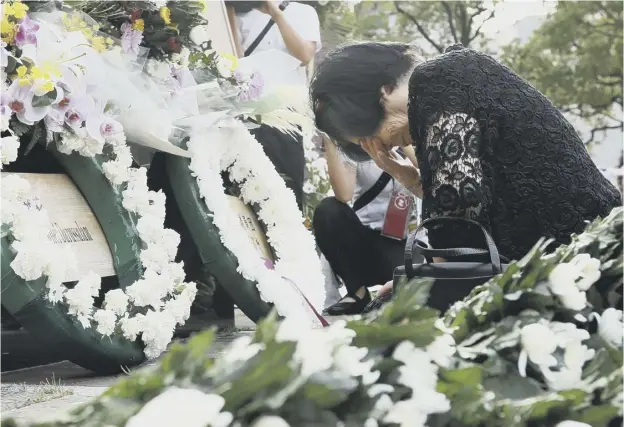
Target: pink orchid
(26, 32)
(19, 99)
(78, 109)
(101, 126)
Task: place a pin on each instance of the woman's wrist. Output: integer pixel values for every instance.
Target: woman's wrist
(409, 177)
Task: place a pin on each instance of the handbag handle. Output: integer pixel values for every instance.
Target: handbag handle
(412, 243)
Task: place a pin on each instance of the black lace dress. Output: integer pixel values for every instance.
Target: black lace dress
(494, 149)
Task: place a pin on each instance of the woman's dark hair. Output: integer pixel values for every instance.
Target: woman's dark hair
(346, 87)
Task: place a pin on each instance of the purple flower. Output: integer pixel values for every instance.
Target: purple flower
(78, 109)
(101, 126)
(26, 32)
(254, 88)
(130, 39)
(19, 100)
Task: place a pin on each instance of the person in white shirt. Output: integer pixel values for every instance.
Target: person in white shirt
(348, 229)
(295, 30)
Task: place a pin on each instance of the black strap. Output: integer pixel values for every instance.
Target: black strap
(412, 244)
(264, 32)
(372, 193)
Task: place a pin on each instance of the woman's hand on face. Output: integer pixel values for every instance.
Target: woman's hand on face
(401, 169)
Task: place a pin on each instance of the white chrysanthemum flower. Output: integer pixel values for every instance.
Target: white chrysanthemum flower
(179, 307)
(538, 344)
(406, 413)
(562, 283)
(117, 171)
(29, 262)
(174, 270)
(80, 299)
(270, 421)
(199, 34)
(8, 149)
(158, 330)
(56, 291)
(116, 301)
(150, 290)
(442, 350)
(377, 389)
(131, 327)
(154, 257)
(570, 423)
(589, 270)
(106, 321)
(611, 327)
(348, 359)
(195, 407)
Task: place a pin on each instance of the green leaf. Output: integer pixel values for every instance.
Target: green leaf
(328, 389)
(599, 416)
(42, 101)
(266, 329)
(266, 370)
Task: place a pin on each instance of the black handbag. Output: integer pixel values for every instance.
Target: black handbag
(462, 270)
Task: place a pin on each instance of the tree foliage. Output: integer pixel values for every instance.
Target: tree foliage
(432, 26)
(575, 58)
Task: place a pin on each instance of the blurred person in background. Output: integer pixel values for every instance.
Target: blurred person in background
(361, 230)
(292, 28)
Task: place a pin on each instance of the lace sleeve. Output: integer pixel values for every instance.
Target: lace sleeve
(453, 178)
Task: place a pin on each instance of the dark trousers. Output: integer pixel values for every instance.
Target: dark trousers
(359, 255)
(286, 154)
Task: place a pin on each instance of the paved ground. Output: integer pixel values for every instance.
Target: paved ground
(44, 392)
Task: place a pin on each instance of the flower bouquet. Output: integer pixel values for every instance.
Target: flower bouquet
(79, 75)
(513, 353)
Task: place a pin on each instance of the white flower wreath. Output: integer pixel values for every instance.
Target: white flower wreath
(161, 291)
(297, 271)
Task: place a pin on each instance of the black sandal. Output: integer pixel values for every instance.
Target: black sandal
(348, 305)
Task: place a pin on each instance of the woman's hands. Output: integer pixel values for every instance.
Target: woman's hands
(403, 170)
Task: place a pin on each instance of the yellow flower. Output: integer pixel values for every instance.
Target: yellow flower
(47, 87)
(6, 26)
(36, 73)
(98, 43)
(165, 14)
(205, 3)
(21, 71)
(51, 69)
(139, 25)
(233, 60)
(7, 10)
(19, 10)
